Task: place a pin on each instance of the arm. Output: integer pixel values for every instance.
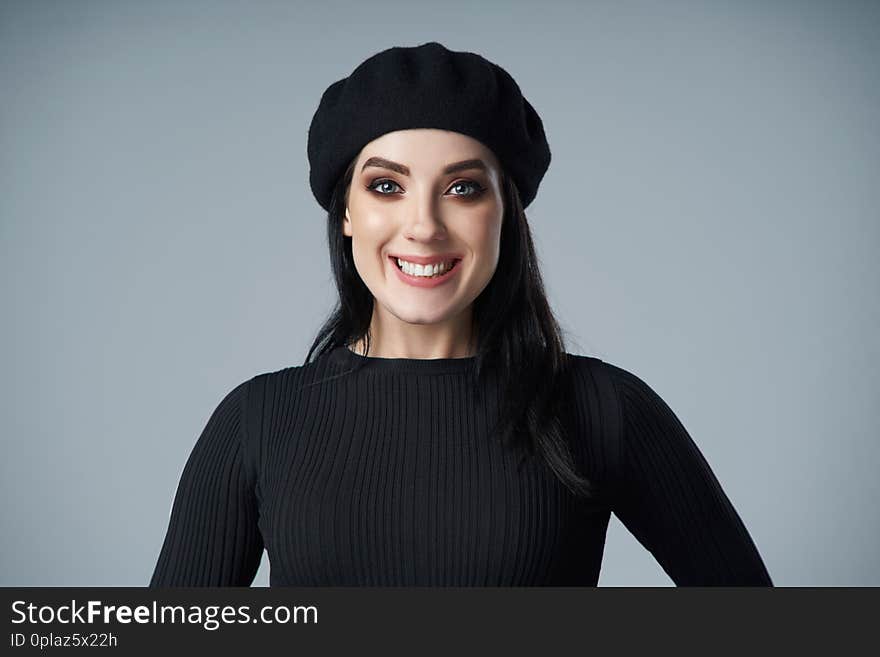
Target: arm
(670, 500)
(213, 538)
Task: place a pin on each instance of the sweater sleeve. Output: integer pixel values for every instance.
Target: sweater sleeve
(670, 500)
(213, 538)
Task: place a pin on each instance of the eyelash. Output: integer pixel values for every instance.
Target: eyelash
(478, 189)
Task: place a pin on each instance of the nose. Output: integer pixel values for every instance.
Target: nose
(424, 221)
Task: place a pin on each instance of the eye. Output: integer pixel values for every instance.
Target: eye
(385, 187)
(383, 183)
(476, 188)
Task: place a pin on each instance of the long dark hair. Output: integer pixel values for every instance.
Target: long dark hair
(517, 335)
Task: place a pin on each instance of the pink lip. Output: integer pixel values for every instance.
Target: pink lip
(426, 260)
(421, 281)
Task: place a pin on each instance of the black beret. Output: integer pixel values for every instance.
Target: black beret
(426, 86)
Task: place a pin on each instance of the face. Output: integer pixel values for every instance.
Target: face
(425, 195)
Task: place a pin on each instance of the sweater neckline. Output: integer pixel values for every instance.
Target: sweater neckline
(418, 365)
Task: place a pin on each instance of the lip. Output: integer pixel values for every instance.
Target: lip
(420, 281)
(426, 260)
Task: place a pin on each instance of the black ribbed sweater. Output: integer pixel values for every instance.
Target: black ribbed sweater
(388, 476)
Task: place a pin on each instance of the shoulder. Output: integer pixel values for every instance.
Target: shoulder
(593, 372)
(628, 418)
(598, 417)
(280, 386)
(646, 422)
(591, 375)
(621, 400)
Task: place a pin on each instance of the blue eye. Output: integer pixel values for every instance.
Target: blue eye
(384, 183)
(381, 182)
(477, 189)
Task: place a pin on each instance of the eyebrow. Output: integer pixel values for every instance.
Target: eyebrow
(403, 169)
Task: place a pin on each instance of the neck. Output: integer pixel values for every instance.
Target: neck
(399, 339)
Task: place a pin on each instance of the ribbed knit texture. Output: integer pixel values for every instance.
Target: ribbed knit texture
(388, 476)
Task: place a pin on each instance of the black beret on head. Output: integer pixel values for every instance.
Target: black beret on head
(426, 86)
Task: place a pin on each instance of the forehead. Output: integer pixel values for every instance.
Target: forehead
(427, 150)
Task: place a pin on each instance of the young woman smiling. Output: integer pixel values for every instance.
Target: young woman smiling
(424, 197)
(438, 432)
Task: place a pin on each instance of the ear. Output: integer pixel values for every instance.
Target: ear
(346, 224)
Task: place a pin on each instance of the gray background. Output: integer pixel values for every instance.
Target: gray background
(709, 222)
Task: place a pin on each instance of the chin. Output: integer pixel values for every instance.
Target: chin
(419, 316)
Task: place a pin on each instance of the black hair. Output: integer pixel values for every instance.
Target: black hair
(517, 335)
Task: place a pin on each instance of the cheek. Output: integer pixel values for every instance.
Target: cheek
(371, 225)
(486, 240)
(370, 233)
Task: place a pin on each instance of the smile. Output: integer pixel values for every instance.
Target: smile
(424, 275)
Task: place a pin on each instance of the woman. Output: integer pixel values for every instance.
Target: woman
(438, 432)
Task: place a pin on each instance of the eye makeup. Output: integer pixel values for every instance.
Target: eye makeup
(477, 188)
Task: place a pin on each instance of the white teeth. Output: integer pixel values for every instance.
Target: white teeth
(426, 271)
